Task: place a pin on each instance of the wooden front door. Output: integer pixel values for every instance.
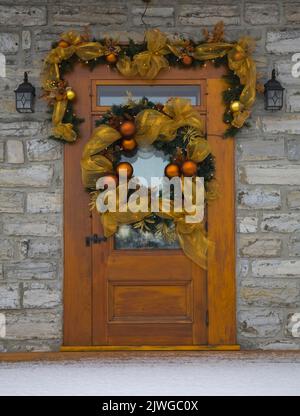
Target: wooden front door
(128, 293)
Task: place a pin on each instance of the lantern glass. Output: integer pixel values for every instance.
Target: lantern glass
(25, 94)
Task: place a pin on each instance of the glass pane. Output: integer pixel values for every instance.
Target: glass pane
(148, 163)
(107, 95)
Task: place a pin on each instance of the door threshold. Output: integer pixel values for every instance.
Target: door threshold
(233, 347)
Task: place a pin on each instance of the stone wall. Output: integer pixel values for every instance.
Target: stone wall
(31, 181)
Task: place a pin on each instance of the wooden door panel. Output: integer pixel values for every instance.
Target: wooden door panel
(150, 301)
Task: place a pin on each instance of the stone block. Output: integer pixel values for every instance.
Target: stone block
(41, 295)
(35, 175)
(276, 268)
(259, 247)
(262, 13)
(266, 174)
(259, 323)
(49, 226)
(293, 199)
(33, 324)
(30, 270)
(41, 248)
(293, 148)
(9, 296)
(12, 15)
(281, 223)
(292, 12)
(272, 293)
(259, 198)
(43, 150)
(261, 150)
(283, 41)
(6, 249)
(289, 124)
(93, 14)
(247, 224)
(26, 40)
(294, 246)
(9, 42)
(44, 202)
(11, 201)
(156, 16)
(207, 14)
(15, 152)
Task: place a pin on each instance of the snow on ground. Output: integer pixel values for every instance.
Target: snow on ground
(152, 376)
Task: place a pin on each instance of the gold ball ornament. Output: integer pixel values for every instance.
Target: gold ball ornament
(70, 94)
(236, 106)
(111, 58)
(128, 144)
(125, 166)
(187, 60)
(127, 129)
(172, 170)
(189, 168)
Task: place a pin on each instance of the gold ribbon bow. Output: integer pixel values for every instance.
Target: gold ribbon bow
(148, 63)
(85, 51)
(245, 69)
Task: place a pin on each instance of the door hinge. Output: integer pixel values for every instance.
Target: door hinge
(206, 318)
(94, 239)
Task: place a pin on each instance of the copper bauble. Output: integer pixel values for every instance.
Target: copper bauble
(189, 168)
(236, 106)
(172, 170)
(238, 56)
(128, 144)
(127, 129)
(111, 181)
(111, 58)
(187, 60)
(125, 166)
(63, 44)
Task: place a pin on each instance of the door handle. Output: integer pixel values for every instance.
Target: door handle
(94, 239)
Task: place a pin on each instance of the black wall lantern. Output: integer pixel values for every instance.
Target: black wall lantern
(25, 94)
(273, 94)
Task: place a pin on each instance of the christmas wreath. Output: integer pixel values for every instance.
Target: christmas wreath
(174, 128)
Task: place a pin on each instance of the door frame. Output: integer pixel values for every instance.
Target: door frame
(221, 282)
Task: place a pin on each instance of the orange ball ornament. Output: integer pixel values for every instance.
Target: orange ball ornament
(239, 56)
(63, 44)
(127, 129)
(125, 166)
(111, 181)
(189, 168)
(187, 60)
(172, 170)
(128, 144)
(111, 58)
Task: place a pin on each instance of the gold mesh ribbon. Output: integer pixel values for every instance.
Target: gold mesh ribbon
(85, 51)
(148, 63)
(152, 125)
(244, 68)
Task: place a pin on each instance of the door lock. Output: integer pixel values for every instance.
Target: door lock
(94, 239)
